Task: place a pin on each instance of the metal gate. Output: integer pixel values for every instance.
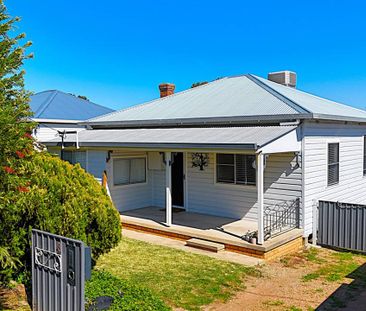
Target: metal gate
(342, 225)
(60, 267)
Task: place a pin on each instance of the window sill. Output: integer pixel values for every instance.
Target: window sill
(333, 185)
(237, 186)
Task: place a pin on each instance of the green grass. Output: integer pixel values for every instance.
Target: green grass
(333, 269)
(312, 254)
(180, 278)
(126, 296)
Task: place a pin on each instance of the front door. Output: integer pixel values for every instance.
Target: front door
(178, 180)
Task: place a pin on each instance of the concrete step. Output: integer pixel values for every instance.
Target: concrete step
(205, 245)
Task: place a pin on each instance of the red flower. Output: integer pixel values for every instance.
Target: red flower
(20, 154)
(28, 135)
(8, 170)
(23, 189)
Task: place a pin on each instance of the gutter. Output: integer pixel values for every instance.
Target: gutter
(238, 120)
(223, 121)
(157, 145)
(61, 121)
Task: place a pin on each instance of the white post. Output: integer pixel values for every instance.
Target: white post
(168, 188)
(260, 186)
(315, 222)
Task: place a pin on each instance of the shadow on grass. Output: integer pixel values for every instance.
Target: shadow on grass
(350, 296)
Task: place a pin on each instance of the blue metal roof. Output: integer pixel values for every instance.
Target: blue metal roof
(58, 105)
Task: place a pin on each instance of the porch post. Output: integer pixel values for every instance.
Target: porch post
(260, 197)
(168, 187)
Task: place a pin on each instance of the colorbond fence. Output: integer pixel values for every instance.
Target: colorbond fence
(342, 225)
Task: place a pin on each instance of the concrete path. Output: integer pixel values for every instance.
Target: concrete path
(222, 255)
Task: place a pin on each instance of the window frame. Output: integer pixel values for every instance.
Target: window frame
(335, 163)
(129, 158)
(234, 184)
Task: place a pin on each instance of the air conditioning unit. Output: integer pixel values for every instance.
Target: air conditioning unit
(285, 77)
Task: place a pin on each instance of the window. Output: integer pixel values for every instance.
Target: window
(235, 169)
(129, 171)
(74, 157)
(333, 163)
(364, 155)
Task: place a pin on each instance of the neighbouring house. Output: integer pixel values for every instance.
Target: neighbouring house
(237, 160)
(58, 114)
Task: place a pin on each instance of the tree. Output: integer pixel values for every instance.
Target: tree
(198, 84)
(16, 143)
(36, 189)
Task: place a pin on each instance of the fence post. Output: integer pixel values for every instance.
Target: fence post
(315, 222)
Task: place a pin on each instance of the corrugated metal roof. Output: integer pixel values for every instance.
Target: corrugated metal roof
(244, 97)
(55, 104)
(219, 137)
(315, 104)
(226, 97)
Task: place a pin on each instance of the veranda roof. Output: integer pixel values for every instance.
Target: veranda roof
(245, 138)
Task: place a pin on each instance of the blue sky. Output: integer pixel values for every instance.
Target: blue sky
(117, 52)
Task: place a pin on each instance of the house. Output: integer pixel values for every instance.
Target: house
(244, 157)
(59, 114)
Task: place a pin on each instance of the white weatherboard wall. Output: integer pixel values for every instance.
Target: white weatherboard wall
(282, 183)
(352, 184)
(47, 132)
(282, 178)
(207, 197)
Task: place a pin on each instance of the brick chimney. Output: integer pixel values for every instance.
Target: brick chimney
(166, 89)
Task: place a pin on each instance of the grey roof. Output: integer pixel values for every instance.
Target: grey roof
(58, 105)
(236, 99)
(315, 104)
(216, 137)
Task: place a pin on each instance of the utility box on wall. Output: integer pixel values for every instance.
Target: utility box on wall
(60, 267)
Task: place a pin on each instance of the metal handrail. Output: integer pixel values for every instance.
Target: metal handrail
(281, 217)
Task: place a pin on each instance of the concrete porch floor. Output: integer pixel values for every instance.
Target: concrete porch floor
(188, 225)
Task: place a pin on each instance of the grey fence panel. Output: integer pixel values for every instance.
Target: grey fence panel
(342, 225)
(58, 272)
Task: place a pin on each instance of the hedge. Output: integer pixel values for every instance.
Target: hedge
(59, 198)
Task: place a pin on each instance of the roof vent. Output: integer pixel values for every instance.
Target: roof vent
(285, 77)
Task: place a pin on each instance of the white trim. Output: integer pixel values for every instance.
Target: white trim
(186, 204)
(260, 197)
(315, 222)
(62, 121)
(168, 188)
(113, 186)
(363, 156)
(289, 142)
(303, 142)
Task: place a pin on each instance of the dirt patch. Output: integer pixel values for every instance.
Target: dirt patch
(14, 298)
(318, 279)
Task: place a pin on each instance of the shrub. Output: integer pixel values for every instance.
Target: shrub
(126, 295)
(59, 198)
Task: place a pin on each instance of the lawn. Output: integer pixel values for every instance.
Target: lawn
(180, 278)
